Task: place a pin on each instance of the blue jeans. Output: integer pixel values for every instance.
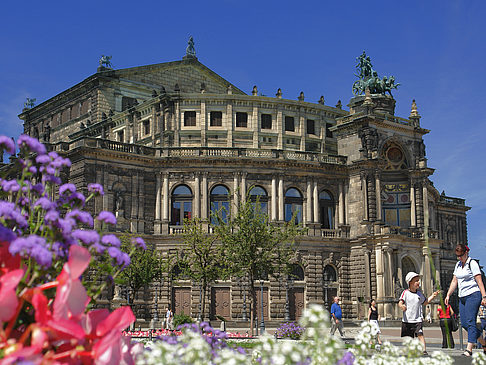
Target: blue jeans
(468, 308)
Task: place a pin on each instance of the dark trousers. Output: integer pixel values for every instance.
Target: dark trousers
(444, 332)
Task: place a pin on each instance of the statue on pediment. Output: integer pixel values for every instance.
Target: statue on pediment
(105, 61)
(190, 50)
(29, 103)
(368, 78)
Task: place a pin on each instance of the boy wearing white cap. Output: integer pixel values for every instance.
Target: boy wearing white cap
(411, 302)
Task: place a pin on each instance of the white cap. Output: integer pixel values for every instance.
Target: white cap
(410, 276)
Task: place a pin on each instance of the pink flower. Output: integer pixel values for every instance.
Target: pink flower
(8, 297)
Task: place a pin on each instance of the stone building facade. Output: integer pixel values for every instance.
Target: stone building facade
(175, 140)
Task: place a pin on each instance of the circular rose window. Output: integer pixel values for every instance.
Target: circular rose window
(394, 154)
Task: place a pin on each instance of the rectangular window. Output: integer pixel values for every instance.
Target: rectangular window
(215, 119)
(190, 119)
(266, 121)
(289, 124)
(311, 126)
(241, 120)
(328, 132)
(146, 126)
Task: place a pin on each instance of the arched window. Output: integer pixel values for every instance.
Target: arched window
(220, 203)
(407, 266)
(259, 193)
(181, 205)
(296, 273)
(326, 207)
(329, 275)
(293, 205)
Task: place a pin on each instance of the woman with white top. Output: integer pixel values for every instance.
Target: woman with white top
(467, 276)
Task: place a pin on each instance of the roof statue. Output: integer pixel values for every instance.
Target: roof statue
(190, 50)
(368, 78)
(105, 61)
(29, 103)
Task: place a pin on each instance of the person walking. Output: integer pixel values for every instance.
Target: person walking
(373, 318)
(446, 318)
(411, 302)
(467, 277)
(168, 319)
(337, 317)
(482, 317)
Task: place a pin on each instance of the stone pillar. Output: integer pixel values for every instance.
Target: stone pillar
(425, 200)
(380, 271)
(413, 214)
(243, 187)
(367, 264)
(378, 197)
(203, 123)
(197, 196)
(389, 283)
(235, 194)
(341, 204)
(106, 187)
(364, 187)
(165, 203)
(309, 203)
(316, 203)
(153, 124)
(281, 215)
(141, 203)
(135, 203)
(204, 207)
(158, 195)
(426, 277)
(274, 199)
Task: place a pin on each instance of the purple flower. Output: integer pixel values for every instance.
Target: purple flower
(96, 188)
(31, 144)
(110, 239)
(60, 162)
(114, 252)
(77, 199)
(7, 144)
(10, 212)
(10, 185)
(347, 359)
(45, 203)
(124, 259)
(32, 246)
(139, 242)
(65, 225)
(6, 235)
(43, 159)
(107, 217)
(67, 187)
(38, 188)
(88, 237)
(51, 216)
(51, 178)
(99, 248)
(81, 216)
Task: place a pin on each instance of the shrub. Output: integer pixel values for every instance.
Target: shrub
(180, 319)
(290, 330)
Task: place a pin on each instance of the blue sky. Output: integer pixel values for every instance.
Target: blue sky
(435, 49)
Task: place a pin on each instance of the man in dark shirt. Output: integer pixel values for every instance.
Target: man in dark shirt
(336, 317)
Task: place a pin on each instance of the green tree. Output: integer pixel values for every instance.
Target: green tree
(202, 259)
(254, 248)
(146, 266)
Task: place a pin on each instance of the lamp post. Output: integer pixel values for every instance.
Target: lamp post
(262, 323)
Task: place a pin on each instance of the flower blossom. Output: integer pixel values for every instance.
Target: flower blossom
(31, 144)
(7, 144)
(139, 242)
(107, 217)
(96, 188)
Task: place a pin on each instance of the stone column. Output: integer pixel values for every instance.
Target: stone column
(378, 197)
(425, 201)
(426, 277)
(364, 187)
(413, 214)
(380, 271)
(165, 203)
(341, 204)
(367, 262)
(135, 203)
(274, 199)
(153, 124)
(235, 194)
(309, 203)
(141, 203)
(106, 187)
(158, 195)
(316, 203)
(281, 215)
(389, 283)
(204, 207)
(203, 123)
(197, 196)
(243, 187)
